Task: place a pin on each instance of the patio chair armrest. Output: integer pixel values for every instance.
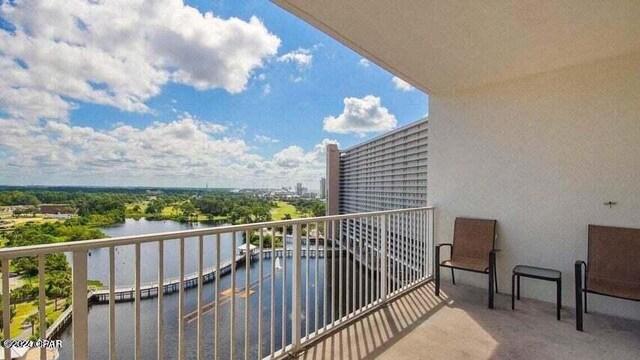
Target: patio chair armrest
(438, 246)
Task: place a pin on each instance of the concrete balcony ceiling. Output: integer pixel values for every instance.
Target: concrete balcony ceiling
(447, 46)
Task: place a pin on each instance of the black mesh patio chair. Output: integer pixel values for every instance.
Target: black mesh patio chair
(613, 267)
(473, 249)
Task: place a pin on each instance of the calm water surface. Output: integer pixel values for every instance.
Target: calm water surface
(99, 314)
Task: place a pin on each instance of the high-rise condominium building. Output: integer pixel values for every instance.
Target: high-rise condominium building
(388, 172)
(385, 173)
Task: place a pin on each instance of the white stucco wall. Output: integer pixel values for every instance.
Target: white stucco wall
(541, 155)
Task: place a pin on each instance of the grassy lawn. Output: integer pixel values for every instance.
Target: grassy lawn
(284, 208)
(171, 210)
(202, 217)
(23, 220)
(142, 204)
(23, 310)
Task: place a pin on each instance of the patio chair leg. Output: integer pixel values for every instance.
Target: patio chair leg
(495, 274)
(578, 271)
(437, 274)
(513, 297)
(491, 278)
(453, 277)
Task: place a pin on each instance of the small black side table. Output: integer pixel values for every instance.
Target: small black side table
(537, 273)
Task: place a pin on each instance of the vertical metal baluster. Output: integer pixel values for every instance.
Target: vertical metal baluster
(396, 254)
(272, 313)
(384, 259)
(414, 247)
(404, 250)
(359, 265)
(112, 303)
(390, 254)
(348, 280)
(232, 325)
(315, 288)
(79, 305)
(296, 292)
(381, 257)
(160, 349)
(199, 351)
(42, 305)
(412, 250)
(425, 226)
(423, 236)
(136, 297)
(376, 261)
(354, 275)
(401, 242)
(333, 271)
(418, 247)
(284, 286)
(366, 265)
(418, 240)
(181, 303)
(340, 281)
(216, 326)
(247, 291)
(431, 240)
(306, 283)
(260, 304)
(399, 230)
(6, 308)
(325, 283)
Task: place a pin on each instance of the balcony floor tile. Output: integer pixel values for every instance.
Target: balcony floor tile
(459, 326)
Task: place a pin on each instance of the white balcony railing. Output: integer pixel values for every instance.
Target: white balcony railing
(332, 270)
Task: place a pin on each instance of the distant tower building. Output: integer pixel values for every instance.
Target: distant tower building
(299, 189)
(323, 188)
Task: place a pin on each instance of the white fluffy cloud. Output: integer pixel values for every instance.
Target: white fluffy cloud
(301, 57)
(263, 139)
(185, 152)
(401, 84)
(120, 53)
(361, 116)
(364, 63)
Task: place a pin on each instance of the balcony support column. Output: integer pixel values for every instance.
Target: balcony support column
(79, 305)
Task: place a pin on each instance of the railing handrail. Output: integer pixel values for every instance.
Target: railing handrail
(33, 250)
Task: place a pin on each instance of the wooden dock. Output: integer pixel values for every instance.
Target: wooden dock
(150, 290)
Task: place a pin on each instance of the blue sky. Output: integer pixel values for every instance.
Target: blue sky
(229, 93)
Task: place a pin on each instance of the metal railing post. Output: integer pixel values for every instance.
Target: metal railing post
(296, 295)
(79, 305)
(383, 265)
(432, 236)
